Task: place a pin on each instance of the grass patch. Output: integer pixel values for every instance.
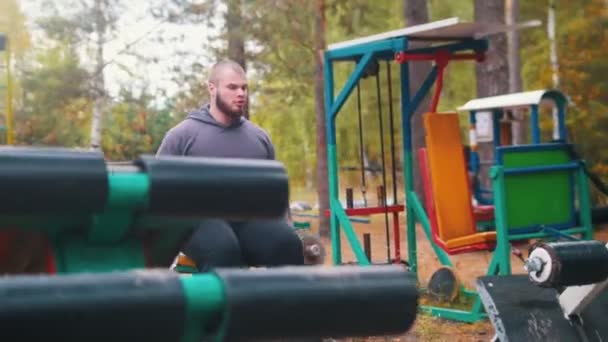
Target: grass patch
(462, 302)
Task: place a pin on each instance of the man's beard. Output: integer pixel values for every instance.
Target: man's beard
(225, 108)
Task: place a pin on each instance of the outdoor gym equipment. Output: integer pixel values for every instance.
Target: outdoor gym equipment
(487, 113)
(98, 216)
(562, 297)
(557, 208)
(513, 176)
(106, 225)
(226, 305)
(373, 69)
(452, 40)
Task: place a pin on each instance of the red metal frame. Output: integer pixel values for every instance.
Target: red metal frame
(371, 210)
(441, 57)
(49, 260)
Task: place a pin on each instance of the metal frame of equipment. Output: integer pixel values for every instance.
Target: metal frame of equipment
(439, 42)
(562, 295)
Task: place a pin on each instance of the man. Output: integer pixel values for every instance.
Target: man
(219, 129)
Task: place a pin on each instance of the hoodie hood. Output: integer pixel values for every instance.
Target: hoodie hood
(203, 115)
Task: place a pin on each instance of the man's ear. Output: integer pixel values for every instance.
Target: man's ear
(210, 87)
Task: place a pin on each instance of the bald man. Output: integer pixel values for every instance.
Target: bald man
(218, 129)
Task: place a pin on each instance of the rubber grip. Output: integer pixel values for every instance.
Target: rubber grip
(122, 306)
(216, 187)
(51, 181)
(319, 302)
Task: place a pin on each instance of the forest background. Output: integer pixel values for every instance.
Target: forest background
(117, 74)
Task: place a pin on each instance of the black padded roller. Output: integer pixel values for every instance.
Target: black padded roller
(125, 306)
(572, 263)
(51, 181)
(216, 187)
(317, 302)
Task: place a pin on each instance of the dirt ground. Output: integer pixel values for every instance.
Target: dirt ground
(468, 267)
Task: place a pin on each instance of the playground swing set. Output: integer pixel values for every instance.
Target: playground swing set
(538, 190)
(382, 206)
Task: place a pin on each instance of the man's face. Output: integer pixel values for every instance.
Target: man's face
(230, 93)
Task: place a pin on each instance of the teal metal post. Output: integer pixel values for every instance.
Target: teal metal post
(407, 111)
(561, 117)
(407, 166)
(496, 115)
(535, 124)
(332, 159)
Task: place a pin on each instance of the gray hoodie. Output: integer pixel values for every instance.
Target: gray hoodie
(200, 135)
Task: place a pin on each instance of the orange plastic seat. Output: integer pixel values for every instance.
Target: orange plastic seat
(447, 188)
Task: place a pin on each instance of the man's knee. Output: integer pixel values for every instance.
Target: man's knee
(213, 244)
(271, 243)
(287, 247)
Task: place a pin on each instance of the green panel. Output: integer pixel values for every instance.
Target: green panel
(204, 299)
(537, 198)
(584, 206)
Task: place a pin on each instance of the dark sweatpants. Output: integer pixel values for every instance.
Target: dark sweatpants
(220, 243)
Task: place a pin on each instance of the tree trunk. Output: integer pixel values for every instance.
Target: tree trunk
(322, 185)
(236, 37)
(493, 73)
(519, 126)
(553, 58)
(416, 13)
(98, 81)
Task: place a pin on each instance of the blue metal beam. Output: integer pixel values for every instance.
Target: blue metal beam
(535, 124)
(561, 121)
(328, 75)
(356, 51)
(350, 84)
(421, 93)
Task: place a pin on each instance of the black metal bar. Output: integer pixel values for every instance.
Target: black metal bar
(392, 128)
(349, 198)
(367, 246)
(379, 98)
(361, 155)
